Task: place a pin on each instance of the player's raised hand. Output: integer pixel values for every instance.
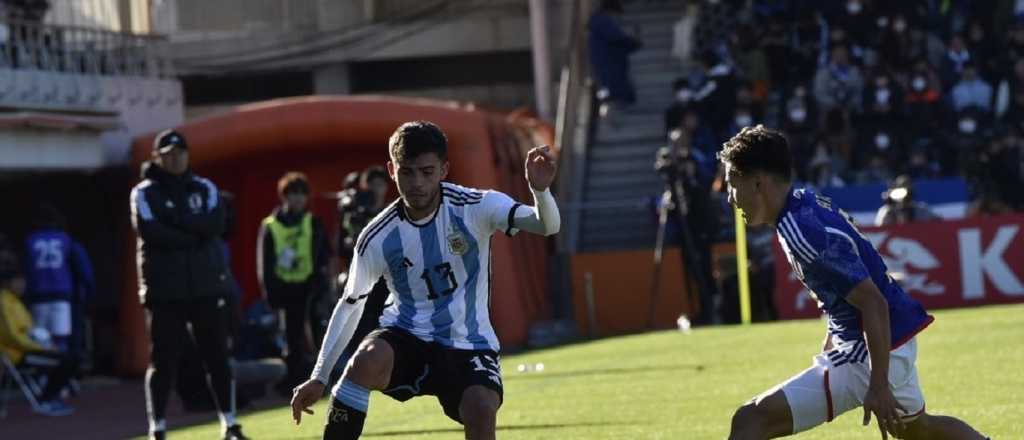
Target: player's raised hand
(541, 166)
(304, 396)
(880, 402)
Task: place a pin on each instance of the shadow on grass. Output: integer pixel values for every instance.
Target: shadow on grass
(500, 429)
(600, 372)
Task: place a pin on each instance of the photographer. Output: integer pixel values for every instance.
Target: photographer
(686, 173)
(357, 207)
(900, 207)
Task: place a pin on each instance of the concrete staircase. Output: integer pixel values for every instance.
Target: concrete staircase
(620, 180)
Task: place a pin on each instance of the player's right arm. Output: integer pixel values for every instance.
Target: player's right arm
(153, 230)
(364, 272)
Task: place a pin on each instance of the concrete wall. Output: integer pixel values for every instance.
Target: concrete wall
(116, 15)
(33, 149)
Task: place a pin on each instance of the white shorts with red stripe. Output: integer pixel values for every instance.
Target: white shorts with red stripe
(838, 382)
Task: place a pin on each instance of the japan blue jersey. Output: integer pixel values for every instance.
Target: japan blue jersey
(48, 274)
(830, 257)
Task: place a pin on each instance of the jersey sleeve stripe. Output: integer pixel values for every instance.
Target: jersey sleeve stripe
(462, 196)
(790, 238)
(211, 199)
(139, 205)
(799, 235)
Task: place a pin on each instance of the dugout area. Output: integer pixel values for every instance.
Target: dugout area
(247, 149)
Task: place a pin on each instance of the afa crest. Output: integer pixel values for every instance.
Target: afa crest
(457, 243)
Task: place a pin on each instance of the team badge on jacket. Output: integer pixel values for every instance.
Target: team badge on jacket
(457, 243)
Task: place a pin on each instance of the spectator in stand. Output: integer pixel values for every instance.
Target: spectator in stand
(972, 90)
(683, 36)
(900, 207)
(896, 47)
(1003, 165)
(923, 99)
(800, 125)
(809, 42)
(701, 136)
(973, 129)
(988, 202)
(957, 56)
(856, 20)
(1006, 105)
(921, 163)
(1012, 50)
(610, 45)
(716, 97)
(752, 62)
(824, 169)
(839, 84)
(983, 49)
(716, 20)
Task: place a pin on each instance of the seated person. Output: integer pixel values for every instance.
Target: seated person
(28, 352)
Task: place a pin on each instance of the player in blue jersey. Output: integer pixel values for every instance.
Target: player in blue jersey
(870, 347)
(59, 277)
(432, 247)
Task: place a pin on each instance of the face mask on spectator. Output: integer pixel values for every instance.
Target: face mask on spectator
(854, 7)
(882, 141)
(684, 95)
(899, 26)
(798, 114)
(882, 96)
(743, 120)
(882, 22)
(918, 83)
(968, 125)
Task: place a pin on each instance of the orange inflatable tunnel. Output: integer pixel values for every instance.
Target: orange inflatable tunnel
(246, 150)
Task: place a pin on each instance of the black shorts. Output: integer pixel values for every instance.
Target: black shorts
(429, 369)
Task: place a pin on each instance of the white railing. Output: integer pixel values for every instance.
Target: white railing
(76, 68)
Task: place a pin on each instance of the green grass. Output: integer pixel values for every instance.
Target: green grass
(669, 385)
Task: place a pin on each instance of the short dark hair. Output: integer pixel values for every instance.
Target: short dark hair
(758, 148)
(371, 173)
(412, 139)
(292, 181)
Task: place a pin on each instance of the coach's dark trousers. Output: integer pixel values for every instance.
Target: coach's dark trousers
(169, 325)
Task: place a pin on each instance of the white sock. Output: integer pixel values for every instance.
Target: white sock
(157, 425)
(227, 420)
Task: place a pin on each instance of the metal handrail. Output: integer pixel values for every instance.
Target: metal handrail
(81, 50)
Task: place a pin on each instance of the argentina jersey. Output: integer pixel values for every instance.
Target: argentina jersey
(438, 269)
(830, 257)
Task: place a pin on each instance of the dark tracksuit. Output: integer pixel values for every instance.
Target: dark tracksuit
(183, 279)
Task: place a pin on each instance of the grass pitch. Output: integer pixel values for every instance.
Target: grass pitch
(669, 385)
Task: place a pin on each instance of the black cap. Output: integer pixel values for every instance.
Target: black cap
(167, 140)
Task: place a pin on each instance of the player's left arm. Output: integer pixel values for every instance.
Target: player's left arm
(207, 223)
(874, 311)
(543, 217)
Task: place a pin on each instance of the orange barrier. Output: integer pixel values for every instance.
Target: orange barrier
(621, 283)
(246, 150)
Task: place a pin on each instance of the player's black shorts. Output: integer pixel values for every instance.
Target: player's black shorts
(430, 369)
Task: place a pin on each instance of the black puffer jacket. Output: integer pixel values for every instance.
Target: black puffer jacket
(178, 221)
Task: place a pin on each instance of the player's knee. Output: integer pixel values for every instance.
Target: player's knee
(371, 365)
(747, 422)
(916, 429)
(479, 406)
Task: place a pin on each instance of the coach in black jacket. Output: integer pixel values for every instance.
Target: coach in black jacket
(183, 277)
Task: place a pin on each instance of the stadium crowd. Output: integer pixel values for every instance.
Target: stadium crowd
(865, 90)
